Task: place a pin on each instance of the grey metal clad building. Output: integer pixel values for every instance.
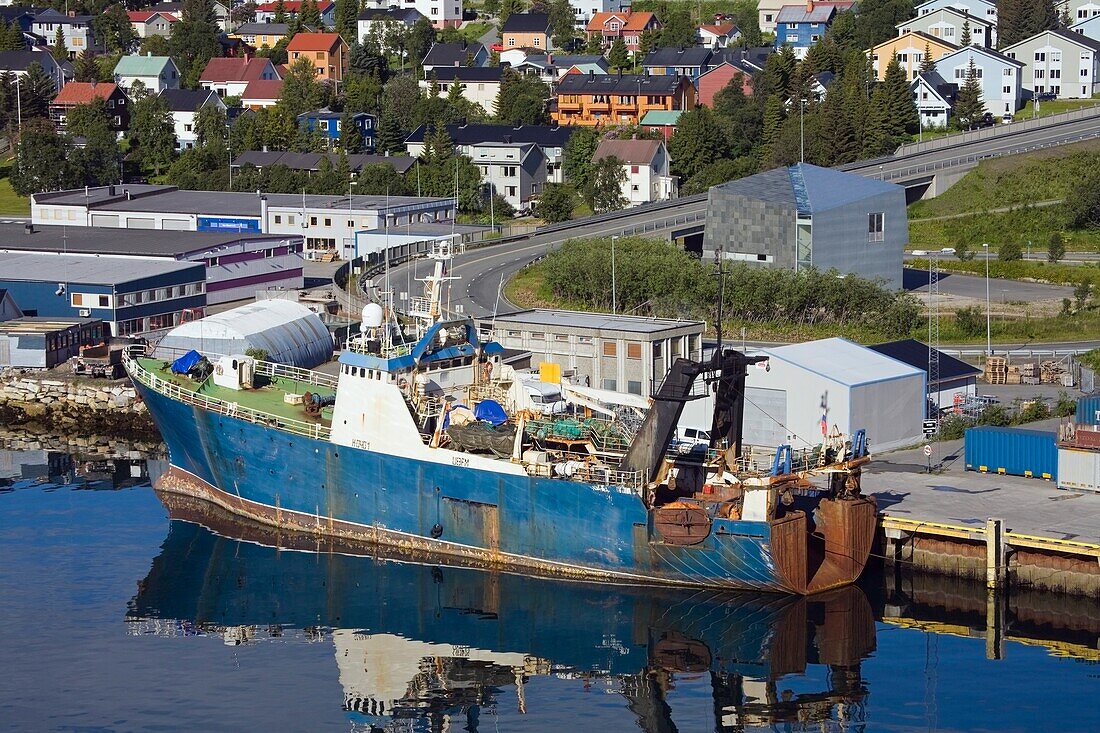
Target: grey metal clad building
(807, 216)
(617, 352)
(43, 343)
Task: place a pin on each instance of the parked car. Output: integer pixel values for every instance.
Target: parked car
(985, 121)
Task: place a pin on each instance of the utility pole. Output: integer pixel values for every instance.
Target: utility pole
(614, 288)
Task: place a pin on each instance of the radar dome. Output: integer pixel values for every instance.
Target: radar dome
(372, 315)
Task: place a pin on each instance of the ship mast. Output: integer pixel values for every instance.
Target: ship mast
(428, 309)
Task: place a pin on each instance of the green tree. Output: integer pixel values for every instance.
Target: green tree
(902, 109)
(927, 63)
(562, 21)
(152, 133)
(36, 91)
(965, 39)
(577, 158)
(594, 44)
(301, 90)
(970, 321)
(556, 203)
(194, 39)
(85, 66)
(458, 108)
(522, 99)
(310, 15)
(346, 18)
(42, 160)
(1010, 252)
(698, 141)
(742, 116)
(155, 46)
(678, 29)
(280, 12)
(1020, 19)
(379, 179)
(1082, 292)
(98, 162)
(772, 122)
(11, 37)
(350, 135)
(618, 56)
(603, 193)
(1083, 202)
(58, 48)
(969, 107)
(1056, 248)
(114, 30)
(420, 40)
(507, 7)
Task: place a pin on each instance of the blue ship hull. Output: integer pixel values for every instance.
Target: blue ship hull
(530, 524)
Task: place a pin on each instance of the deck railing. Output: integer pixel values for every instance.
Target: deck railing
(263, 368)
(212, 404)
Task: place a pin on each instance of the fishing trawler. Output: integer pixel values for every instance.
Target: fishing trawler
(430, 443)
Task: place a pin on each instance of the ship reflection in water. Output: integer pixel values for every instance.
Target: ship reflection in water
(421, 647)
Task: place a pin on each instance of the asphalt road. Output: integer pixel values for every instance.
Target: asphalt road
(973, 286)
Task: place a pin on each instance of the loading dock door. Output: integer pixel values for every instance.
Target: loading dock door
(105, 220)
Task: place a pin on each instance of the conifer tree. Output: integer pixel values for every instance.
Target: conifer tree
(969, 107)
(773, 121)
(965, 40)
(927, 65)
(58, 48)
(310, 14)
(280, 11)
(347, 20)
(617, 56)
(902, 110)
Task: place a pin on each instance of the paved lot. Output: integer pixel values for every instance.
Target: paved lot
(972, 286)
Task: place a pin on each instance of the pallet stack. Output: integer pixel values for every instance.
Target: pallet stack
(1029, 373)
(1056, 372)
(996, 370)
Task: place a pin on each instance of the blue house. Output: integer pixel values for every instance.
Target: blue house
(801, 26)
(329, 123)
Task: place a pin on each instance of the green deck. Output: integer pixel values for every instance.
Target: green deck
(266, 398)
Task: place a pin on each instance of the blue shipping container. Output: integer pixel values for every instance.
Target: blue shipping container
(1017, 452)
(1088, 410)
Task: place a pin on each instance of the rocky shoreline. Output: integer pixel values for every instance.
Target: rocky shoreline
(88, 406)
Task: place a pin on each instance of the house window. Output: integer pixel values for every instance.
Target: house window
(875, 232)
(538, 41)
(1006, 90)
(290, 219)
(610, 384)
(633, 350)
(104, 301)
(77, 299)
(792, 38)
(610, 348)
(320, 55)
(328, 222)
(1007, 73)
(278, 219)
(1040, 56)
(634, 169)
(512, 41)
(324, 125)
(313, 221)
(634, 387)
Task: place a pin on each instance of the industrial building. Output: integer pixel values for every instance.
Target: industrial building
(616, 352)
(133, 294)
(43, 343)
(805, 217)
(237, 265)
(956, 380)
(327, 224)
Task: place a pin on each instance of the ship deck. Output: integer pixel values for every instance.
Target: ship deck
(267, 397)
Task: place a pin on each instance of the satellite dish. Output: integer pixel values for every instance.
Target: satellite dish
(372, 316)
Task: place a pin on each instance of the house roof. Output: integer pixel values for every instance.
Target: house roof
(82, 92)
(808, 188)
(661, 117)
(526, 23)
(20, 60)
(52, 16)
(809, 12)
(314, 42)
(547, 136)
(1075, 38)
(633, 152)
(291, 6)
(234, 69)
(668, 56)
(262, 29)
(915, 354)
(451, 54)
(722, 29)
(599, 20)
(187, 100)
(408, 16)
(958, 12)
(466, 73)
(327, 114)
(143, 16)
(749, 60)
(640, 21)
(578, 60)
(842, 361)
(263, 89)
(983, 52)
(615, 84)
(136, 65)
(926, 37)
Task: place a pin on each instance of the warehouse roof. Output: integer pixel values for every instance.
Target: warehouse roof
(89, 269)
(108, 241)
(601, 321)
(842, 361)
(810, 188)
(35, 324)
(914, 353)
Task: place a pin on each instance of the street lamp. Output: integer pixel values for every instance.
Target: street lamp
(614, 290)
(988, 340)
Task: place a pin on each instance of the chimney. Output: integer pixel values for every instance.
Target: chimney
(110, 190)
(809, 6)
(72, 13)
(28, 229)
(263, 214)
(247, 56)
(148, 54)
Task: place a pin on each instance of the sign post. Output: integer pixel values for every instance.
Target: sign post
(928, 456)
(930, 427)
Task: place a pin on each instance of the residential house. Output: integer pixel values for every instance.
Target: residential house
(310, 162)
(230, 77)
(549, 68)
(661, 121)
(157, 73)
(152, 23)
(717, 78)
(1090, 27)
(527, 30)
(1061, 63)
(441, 13)
(185, 105)
(222, 11)
(909, 48)
(623, 24)
(75, 29)
(1078, 10)
(934, 98)
(329, 124)
(670, 61)
(480, 84)
(398, 19)
(265, 12)
(948, 23)
(613, 99)
(514, 171)
(461, 53)
(585, 10)
(986, 9)
(233, 47)
(999, 75)
(78, 92)
(801, 26)
(18, 15)
(327, 51)
(17, 63)
(768, 11)
(261, 93)
(718, 35)
(261, 35)
(645, 165)
(551, 139)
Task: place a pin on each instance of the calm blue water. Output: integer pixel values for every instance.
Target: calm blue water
(114, 618)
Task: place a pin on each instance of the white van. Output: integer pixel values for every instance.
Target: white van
(545, 398)
(688, 439)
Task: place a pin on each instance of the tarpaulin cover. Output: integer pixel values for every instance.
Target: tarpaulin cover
(491, 412)
(183, 364)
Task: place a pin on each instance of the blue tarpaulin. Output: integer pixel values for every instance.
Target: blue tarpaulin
(491, 412)
(184, 364)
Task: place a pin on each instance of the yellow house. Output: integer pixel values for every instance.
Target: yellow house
(526, 30)
(910, 50)
(259, 35)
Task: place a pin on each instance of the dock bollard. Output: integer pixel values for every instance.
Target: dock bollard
(994, 553)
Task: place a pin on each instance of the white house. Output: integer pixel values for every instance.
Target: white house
(480, 85)
(441, 13)
(948, 23)
(229, 77)
(515, 171)
(585, 9)
(157, 73)
(998, 74)
(645, 163)
(17, 63)
(1090, 28)
(374, 20)
(978, 8)
(718, 35)
(1078, 9)
(1062, 63)
(152, 22)
(185, 105)
(934, 98)
(76, 30)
